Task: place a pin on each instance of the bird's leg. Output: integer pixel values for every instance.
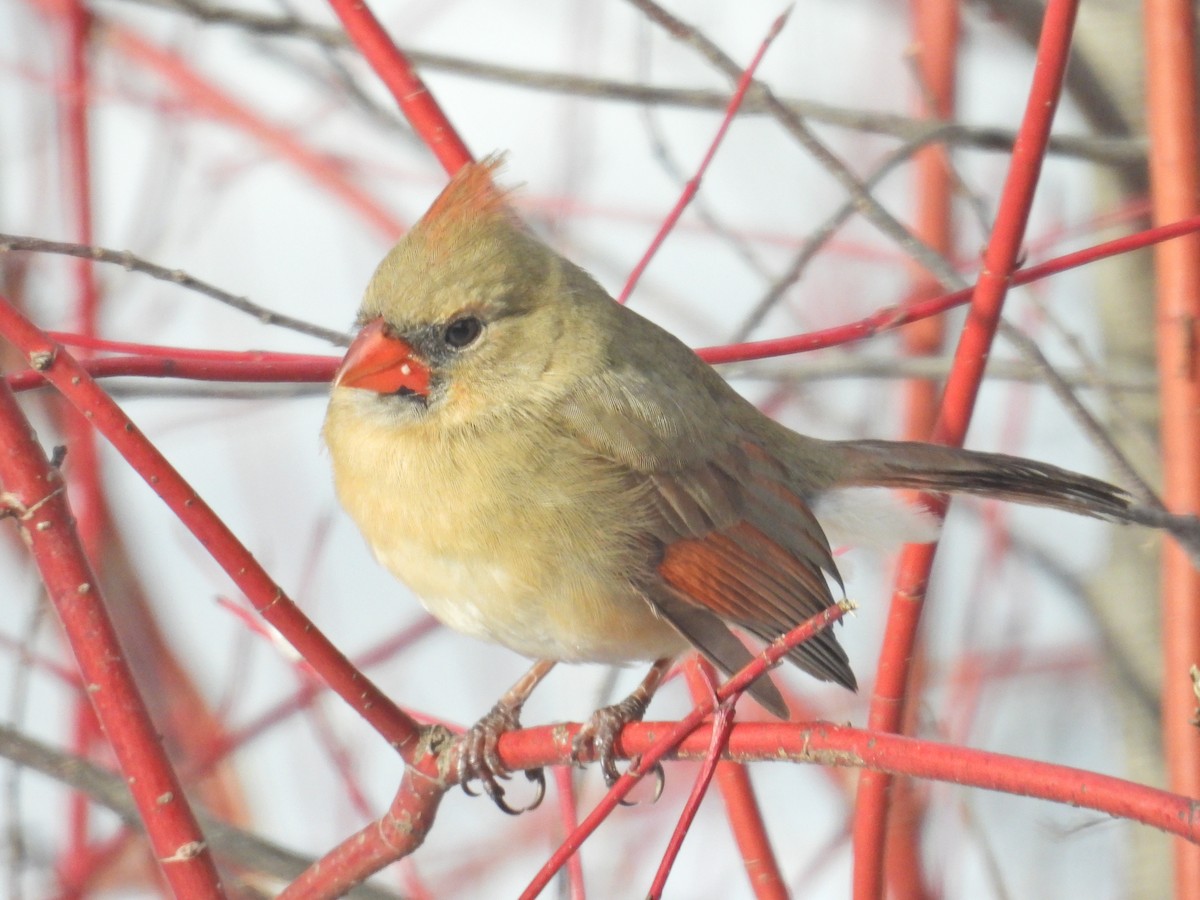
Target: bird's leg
(600, 732)
(479, 759)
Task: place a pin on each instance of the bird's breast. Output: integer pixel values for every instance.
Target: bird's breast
(508, 536)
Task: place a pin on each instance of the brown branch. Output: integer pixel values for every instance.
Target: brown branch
(1117, 151)
(239, 848)
(827, 366)
(865, 203)
(132, 263)
(821, 236)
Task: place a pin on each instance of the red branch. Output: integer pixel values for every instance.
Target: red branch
(397, 834)
(251, 367)
(896, 316)
(935, 57)
(1175, 185)
(33, 494)
(261, 366)
(646, 761)
(396, 71)
(71, 379)
(836, 745)
(77, 165)
(407, 823)
(935, 26)
(741, 806)
(303, 697)
(722, 723)
(1000, 260)
(568, 820)
(84, 477)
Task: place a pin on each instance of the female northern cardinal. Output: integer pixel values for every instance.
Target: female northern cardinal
(549, 470)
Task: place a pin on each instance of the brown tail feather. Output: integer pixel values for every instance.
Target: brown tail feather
(934, 468)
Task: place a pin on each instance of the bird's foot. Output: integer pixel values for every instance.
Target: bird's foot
(479, 760)
(599, 735)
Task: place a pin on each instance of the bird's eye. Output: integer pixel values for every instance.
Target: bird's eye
(462, 332)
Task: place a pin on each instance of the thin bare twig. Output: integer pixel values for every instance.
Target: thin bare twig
(243, 849)
(825, 366)
(1151, 512)
(832, 364)
(133, 263)
(1091, 375)
(1119, 151)
(865, 203)
(15, 841)
(822, 235)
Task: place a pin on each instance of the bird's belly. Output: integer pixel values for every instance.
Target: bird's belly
(505, 535)
(566, 616)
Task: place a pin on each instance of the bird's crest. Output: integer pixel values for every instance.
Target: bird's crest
(471, 198)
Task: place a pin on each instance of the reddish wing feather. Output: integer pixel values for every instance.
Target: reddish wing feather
(739, 544)
(747, 548)
(750, 581)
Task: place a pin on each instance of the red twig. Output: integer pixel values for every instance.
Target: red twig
(568, 817)
(249, 367)
(935, 26)
(693, 184)
(77, 863)
(935, 59)
(256, 365)
(689, 723)
(836, 745)
(1175, 182)
(34, 496)
(970, 359)
(77, 157)
(396, 71)
(68, 677)
(341, 756)
(741, 806)
(397, 834)
(73, 382)
(87, 862)
(163, 351)
(894, 317)
(722, 723)
(750, 832)
(84, 476)
(379, 843)
(303, 697)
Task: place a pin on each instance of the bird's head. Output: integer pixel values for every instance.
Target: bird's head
(468, 316)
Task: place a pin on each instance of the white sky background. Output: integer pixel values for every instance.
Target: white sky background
(195, 194)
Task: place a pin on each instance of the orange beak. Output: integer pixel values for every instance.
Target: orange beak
(378, 361)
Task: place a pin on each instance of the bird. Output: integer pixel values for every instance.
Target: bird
(548, 470)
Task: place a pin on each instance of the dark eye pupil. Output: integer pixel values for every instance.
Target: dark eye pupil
(462, 332)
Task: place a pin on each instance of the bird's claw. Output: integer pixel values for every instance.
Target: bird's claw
(599, 735)
(494, 790)
(479, 760)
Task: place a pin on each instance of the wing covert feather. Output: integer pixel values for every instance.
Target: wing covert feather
(739, 545)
